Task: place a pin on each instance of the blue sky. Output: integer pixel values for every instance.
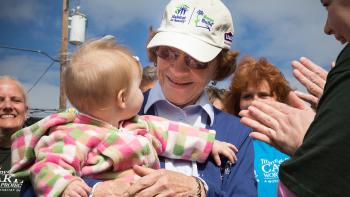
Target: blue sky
(280, 30)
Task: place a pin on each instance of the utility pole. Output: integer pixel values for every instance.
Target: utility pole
(63, 53)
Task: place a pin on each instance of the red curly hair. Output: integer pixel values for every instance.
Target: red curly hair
(252, 72)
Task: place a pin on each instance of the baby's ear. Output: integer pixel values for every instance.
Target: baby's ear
(121, 99)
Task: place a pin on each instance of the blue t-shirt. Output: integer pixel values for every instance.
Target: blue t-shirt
(266, 166)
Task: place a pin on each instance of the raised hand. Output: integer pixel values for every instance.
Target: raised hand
(312, 77)
(283, 126)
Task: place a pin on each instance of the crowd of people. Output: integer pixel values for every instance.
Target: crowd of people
(165, 131)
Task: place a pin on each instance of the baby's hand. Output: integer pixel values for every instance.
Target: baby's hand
(77, 188)
(224, 148)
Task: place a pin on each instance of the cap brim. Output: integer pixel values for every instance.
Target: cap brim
(194, 47)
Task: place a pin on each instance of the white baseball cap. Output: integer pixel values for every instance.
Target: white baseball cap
(200, 28)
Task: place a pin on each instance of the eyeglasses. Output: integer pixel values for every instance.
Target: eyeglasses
(168, 54)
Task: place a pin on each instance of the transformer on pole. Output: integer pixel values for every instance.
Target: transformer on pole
(77, 26)
(77, 36)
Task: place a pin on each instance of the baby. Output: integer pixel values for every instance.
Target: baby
(106, 138)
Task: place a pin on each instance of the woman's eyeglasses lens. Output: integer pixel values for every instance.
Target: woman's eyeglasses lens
(170, 55)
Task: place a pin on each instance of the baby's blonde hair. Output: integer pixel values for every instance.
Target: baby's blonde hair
(97, 72)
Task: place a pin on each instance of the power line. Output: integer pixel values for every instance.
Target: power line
(36, 114)
(30, 50)
(34, 51)
(41, 76)
(32, 111)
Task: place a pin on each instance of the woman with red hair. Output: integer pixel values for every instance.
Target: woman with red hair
(259, 79)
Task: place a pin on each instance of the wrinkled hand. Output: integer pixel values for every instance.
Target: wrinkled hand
(76, 188)
(161, 183)
(311, 99)
(312, 77)
(283, 126)
(223, 148)
(112, 188)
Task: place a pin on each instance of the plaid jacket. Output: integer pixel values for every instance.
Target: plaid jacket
(65, 146)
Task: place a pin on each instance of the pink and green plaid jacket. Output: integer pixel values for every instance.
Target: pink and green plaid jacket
(65, 146)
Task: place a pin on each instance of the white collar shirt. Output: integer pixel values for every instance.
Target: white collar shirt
(197, 115)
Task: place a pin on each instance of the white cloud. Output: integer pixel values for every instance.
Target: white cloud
(20, 11)
(44, 96)
(283, 30)
(111, 14)
(28, 69)
(32, 65)
(280, 30)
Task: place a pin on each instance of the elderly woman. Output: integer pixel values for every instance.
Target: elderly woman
(259, 79)
(191, 48)
(13, 109)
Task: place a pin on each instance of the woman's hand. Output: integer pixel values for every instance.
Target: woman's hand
(116, 187)
(76, 188)
(311, 99)
(312, 77)
(283, 126)
(162, 183)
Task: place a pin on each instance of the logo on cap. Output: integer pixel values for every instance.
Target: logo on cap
(228, 37)
(203, 20)
(180, 14)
